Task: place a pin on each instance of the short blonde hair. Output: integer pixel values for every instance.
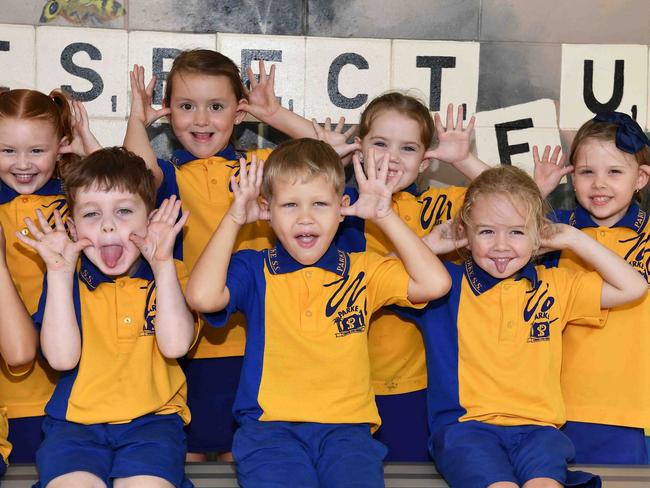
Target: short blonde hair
(302, 160)
(519, 188)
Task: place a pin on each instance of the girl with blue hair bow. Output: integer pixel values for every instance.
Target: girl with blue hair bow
(606, 372)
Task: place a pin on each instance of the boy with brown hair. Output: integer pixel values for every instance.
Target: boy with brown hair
(118, 410)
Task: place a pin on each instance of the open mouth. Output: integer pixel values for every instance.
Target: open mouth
(111, 254)
(501, 263)
(600, 200)
(306, 241)
(24, 178)
(202, 137)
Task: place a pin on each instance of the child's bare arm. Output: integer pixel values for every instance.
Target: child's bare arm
(18, 337)
(174, 321)
(454, 144)
(142, 115)
(263, 105)
(206, 289)
(428, 277)
(622, 283)
(549, 169)
(60, 337)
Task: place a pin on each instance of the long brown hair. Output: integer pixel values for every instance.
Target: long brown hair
(34, 105)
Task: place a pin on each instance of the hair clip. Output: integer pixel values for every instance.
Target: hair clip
(630, 138)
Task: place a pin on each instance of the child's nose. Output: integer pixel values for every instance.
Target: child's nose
(305, 215)
(22, 161)
(108, 225)
(200, 117)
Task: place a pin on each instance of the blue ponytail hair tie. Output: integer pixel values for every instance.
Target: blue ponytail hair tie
(630, 138)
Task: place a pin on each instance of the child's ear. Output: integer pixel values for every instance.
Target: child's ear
(265, 209)
(642, 178)
(151, 214)
(64, 142)
(72, 229)
(345, 202)
(357, 140)
(239, 116)
(460, 233)
(424, 165)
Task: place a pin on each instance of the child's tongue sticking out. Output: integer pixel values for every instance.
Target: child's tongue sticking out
(111, 254)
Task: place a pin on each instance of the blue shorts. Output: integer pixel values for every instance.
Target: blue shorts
(25, 435)
(3, 467)
(606, 444)
(475, 454)
(152, 445)
(404, 428)
(309, 455)
(211, 388)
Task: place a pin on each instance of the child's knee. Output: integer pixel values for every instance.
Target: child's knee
(142, 482)
(542, 483)
(76, 479)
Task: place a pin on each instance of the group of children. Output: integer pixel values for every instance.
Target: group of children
(308, 327)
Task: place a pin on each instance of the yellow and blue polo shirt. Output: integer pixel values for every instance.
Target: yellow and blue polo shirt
(494, 347)
(605, 373)
(203, 185)
(26, 395)
(121, 374)
(5, 445)
(397, 357)
(307, 348)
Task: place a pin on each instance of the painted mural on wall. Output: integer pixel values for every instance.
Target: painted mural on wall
(529, 81)
(82, 12)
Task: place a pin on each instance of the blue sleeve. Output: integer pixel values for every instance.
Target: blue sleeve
(351, 236)
(37, 317)
(423, 316)
(552, 259)
(169, 187)
(240, 282)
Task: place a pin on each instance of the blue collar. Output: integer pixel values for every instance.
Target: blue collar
(634, 218)
(53, 187)
(182, 156)
(92, 276)
(279, 261)
(480, 281)
(412, 189)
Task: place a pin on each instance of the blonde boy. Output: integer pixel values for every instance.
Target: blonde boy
(305, 404)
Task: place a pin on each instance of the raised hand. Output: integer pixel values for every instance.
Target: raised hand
(556, 237)
(157, 245)
(375, 191)
(54, 245)
(454, 141)
(441, 239)
(261, 100)
(142, 97)
(83, 140)
(245, 207)
(549, 169)
(337, 138)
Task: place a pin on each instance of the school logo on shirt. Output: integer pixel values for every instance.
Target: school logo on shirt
(434, 212)
(639, 253)
(349, 315)
(149, 326)
(59, 204)
(539, 308)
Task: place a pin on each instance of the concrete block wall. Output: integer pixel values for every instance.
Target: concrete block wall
(520, 65)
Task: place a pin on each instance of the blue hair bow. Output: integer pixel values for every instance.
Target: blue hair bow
(629, 135)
